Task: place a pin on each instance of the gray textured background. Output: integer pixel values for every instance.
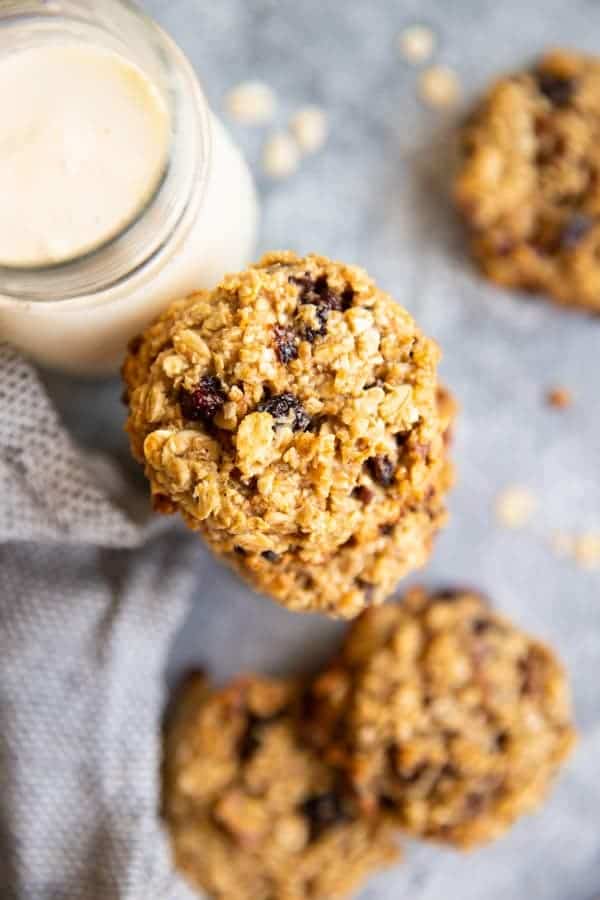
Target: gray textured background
(377, 195)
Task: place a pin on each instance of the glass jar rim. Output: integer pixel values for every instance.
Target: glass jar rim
(143, 241)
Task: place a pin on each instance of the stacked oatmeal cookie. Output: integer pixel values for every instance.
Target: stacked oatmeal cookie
(294, 417)
(438, 718)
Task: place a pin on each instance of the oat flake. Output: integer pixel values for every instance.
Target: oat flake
(515, 506)
(587, 550)
(439, 87)
(416, 44)
(281, 156)
(310, 128)
(251, 102)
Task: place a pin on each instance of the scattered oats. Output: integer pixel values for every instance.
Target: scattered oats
(281, 156)
(310, 128)
(251, 103)
(439, 87)
(515, 506)
(559, 398)
(562, 544)
(417, 44)
(587, 550)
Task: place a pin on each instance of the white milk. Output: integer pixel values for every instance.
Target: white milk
(85, 140)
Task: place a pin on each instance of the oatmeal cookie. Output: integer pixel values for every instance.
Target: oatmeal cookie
(445, 715)
(253, 812)
(294, 418)
(529, 186)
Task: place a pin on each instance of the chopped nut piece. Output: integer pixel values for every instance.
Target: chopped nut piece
(559, 398)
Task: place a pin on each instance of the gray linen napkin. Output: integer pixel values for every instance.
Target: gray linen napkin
(89, 601)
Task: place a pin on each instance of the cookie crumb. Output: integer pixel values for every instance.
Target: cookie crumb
(515, 506)
(559, 398)
(416, 44)
(251, 103)
(439, 87)
(310, 128)
(281, 156)
(587, 550)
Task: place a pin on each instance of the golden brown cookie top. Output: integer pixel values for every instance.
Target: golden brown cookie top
(529, 186)
(251, 810)
(267, 410)
(446, 714)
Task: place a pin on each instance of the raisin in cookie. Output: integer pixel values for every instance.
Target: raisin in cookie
(529, 187)
(293, 416)
(445, 715)
(367, 567)
(251, 811)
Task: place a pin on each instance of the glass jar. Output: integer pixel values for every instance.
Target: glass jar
(198, 223)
